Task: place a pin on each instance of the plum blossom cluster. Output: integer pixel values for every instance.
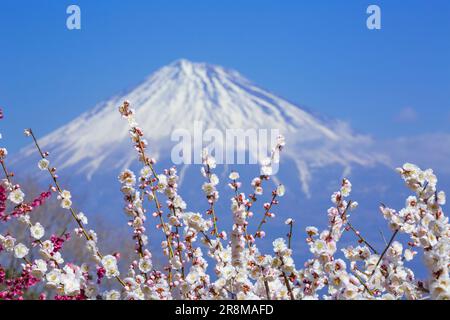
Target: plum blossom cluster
(203, 262)
(424, 221)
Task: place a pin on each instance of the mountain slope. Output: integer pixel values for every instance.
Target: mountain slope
(182, 93)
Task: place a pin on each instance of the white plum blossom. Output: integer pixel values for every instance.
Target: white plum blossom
(3, 152)
(127, 177)
(39, 268)
(53, 278)
(234, 175)
(279, 245)
(37, 231)
(441, 200)
(145, 265)
(146, 172)
(7, 242)
(409, 254)
(208, 188)
(266, 168)
(43, 164)
(281, 190)
(57, 257)
(346, 188)
(66, 203)
(109, 262)
(312, 231)
(162, 182)
(289, 221)
(20, 251)
(214, 179)
(65, 196)
(16, 196)
(195, 221)
(70, 280)
(82, 218)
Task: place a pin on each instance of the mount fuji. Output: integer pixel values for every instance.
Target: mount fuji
(182, 93)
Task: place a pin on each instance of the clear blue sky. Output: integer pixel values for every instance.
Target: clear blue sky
(319, 54)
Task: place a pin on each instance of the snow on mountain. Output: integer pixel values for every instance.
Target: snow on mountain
(178, 95)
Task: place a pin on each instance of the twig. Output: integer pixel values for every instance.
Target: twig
(383, 237)
(350, 226)
(385, 250)
(361, 238)
(383, 253)
(72, 211)
(291, 224)
(7, 174)
(263, 220)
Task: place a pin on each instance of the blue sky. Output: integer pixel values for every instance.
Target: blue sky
(319, 54)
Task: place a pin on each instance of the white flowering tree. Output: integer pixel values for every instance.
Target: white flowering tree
(204, 262)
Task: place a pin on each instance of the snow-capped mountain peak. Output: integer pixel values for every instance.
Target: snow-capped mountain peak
(184, 93)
